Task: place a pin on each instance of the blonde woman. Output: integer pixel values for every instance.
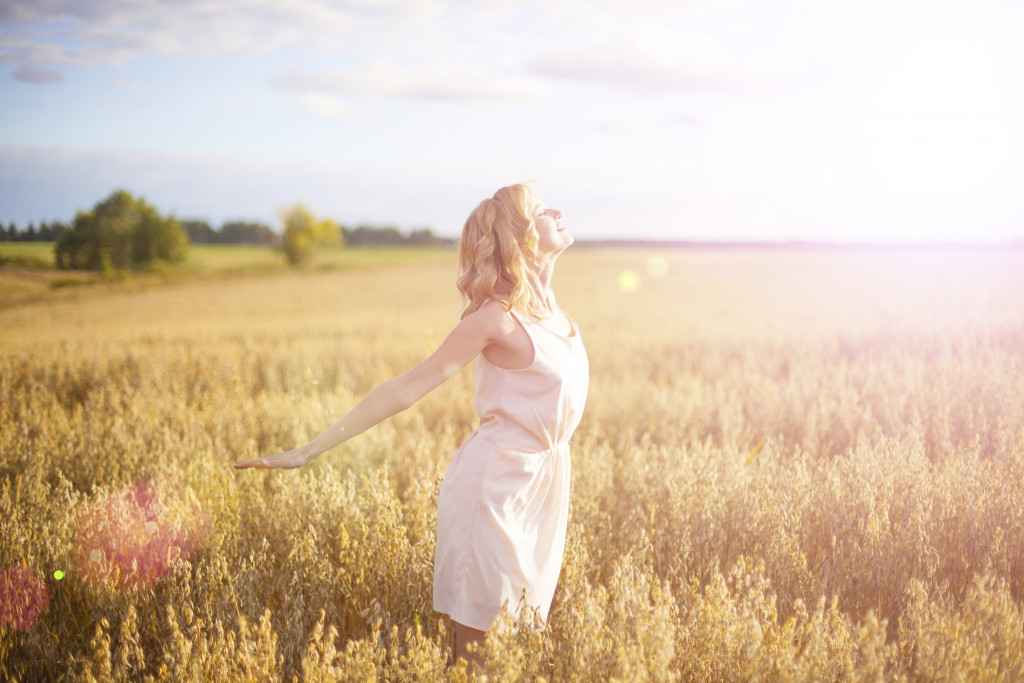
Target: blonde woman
(504, 501)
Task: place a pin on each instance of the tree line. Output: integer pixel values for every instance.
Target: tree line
(363, 235)
(124, 232)
(198, 231)
(231, 232)
(46, 232)
(370, 235)
(247, 232)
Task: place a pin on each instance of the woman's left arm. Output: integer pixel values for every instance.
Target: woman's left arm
(462, 345)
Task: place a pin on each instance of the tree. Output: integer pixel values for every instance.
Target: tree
(156, 238)
(48, 232)
(422, 238)
(303, 233)
(372, 235)
(243, 232)
(200, 232)
(120, 232)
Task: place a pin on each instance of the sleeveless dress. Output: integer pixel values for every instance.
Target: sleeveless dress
(503, 505)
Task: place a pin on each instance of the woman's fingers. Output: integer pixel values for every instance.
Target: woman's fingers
(287, 460)
(259, 463)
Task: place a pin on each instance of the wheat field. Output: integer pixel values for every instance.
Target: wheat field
(793, 465)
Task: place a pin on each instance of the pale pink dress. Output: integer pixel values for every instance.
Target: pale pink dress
(504, 503)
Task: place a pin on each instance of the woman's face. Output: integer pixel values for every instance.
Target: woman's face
(552, 235)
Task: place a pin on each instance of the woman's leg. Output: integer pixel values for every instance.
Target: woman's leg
(464, 636)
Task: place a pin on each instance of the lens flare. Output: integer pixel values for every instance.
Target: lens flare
(23, 597)
(132, 537)
(629, 281)
(657, 266)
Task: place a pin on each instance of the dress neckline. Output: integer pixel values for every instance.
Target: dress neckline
(574, 330)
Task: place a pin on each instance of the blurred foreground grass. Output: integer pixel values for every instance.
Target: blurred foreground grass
(794, 465)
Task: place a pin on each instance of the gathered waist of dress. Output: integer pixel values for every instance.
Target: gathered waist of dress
(501, 440)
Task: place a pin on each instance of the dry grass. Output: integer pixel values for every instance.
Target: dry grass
(28, 273)
(874, 535)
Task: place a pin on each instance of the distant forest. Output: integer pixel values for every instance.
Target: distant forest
(243, 232)
(46, 232)
(238, 232)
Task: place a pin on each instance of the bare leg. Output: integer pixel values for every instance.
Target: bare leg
(464, 636)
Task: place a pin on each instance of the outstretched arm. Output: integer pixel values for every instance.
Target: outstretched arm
(469, 338)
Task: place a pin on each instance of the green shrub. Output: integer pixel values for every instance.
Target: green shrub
(121, 232)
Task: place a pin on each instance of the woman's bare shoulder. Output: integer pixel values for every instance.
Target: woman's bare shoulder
(492, 317)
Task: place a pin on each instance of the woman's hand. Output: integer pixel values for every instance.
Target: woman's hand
(288, 460)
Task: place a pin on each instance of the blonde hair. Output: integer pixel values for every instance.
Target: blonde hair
(498, 254)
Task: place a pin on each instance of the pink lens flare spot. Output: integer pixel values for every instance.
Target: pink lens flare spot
(132, 537)
(23, 596)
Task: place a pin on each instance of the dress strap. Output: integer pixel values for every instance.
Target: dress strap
(525, 324)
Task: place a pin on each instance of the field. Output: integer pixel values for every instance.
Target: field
(28, 273)
(793, 465)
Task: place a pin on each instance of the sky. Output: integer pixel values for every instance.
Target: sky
(766, 120)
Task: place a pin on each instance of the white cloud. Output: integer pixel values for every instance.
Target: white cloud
(430, 80)
(324, 106)
(100, 32)
(443, 49)
(688, 119)
(649, 57)
(626, 124)
(456, 35)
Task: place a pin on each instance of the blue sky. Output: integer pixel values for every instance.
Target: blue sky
(895, 120)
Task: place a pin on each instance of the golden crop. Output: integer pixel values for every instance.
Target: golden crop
(793, 465)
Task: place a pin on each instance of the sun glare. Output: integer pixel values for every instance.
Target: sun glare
(928, 128)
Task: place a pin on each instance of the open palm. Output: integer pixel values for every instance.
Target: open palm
(287, 461)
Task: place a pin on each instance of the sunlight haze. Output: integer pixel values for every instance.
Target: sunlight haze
(730, 120)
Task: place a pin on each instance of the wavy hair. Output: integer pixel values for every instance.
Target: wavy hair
(498, 254)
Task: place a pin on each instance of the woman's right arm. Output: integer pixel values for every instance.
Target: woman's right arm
(473, 333)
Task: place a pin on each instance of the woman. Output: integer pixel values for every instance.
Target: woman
(503, 505)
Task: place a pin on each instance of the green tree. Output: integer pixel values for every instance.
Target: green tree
(373, 235)
(244, 232)
(422, 238)
(157, 238)
(118, 233)
(303, 233)
(200, 232)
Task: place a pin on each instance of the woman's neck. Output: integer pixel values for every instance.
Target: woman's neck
(544, 272)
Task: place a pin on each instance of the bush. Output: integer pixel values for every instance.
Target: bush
(303, 233)
(118, 233)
